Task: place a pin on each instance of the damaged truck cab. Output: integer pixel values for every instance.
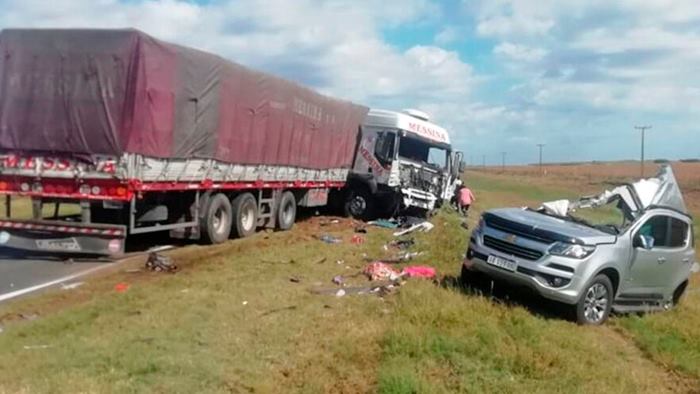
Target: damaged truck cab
(403, 163)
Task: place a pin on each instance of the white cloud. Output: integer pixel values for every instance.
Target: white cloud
(448, 35)
(519, 52)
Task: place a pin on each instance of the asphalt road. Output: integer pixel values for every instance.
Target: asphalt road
(19, 276)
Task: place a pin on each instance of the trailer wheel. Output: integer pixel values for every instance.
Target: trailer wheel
(216, 225)
(245, 215)
(287, 211)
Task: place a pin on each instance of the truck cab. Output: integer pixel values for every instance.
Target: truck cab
(403, 163)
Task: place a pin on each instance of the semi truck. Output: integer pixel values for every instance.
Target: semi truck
(143, 136)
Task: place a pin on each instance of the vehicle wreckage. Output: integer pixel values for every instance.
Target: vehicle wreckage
(640, 263)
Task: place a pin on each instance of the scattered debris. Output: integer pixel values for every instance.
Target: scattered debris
(361, 229)
(160, 263)
(401, 244)
(271, 311)
(424, 227)
(419, 271)
(278, 261)
(382, 289)
(400, 258)
(29, 316)
(357, 239)
(465, 225)
(338, 280)
(320, 261)
(329, 239)
(121, 287)
(392, 224)
(71, 286)
(340, 293)
(245, 303)
(381, 271)
(324, 223)
(339, 262)
(295, 279)
(31, 347)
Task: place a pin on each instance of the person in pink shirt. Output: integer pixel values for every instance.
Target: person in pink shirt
(465, 200)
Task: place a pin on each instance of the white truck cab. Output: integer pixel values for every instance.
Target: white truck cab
(404, 162)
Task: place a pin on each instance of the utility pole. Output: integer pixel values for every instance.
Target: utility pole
(643, 129)
(483, 160)
(503, 161)
(540, 146)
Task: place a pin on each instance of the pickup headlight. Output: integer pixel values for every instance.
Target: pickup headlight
(571, 250)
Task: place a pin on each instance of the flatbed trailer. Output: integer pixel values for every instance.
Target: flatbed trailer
(146, 136)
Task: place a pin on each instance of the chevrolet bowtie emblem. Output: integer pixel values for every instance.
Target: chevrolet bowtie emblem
(510, 238)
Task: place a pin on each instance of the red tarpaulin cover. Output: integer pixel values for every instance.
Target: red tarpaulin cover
(116, 91)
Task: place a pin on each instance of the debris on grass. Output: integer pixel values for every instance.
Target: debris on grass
(121, 287)
(401, 244)
(419, 271)
(392, 224)
(340, 293)
(295, 279)
(160, 263)
(32, 347)
(271, 311)
(423, 227)
(71, 286)
(381, 271)
(357, 239)
(329, 239)
(338, 280)
(361, 229)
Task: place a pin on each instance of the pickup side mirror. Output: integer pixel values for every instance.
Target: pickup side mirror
(644, 241)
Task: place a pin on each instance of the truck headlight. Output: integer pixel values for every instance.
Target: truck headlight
(571, 250)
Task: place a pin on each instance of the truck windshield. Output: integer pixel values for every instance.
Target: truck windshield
(419, 151)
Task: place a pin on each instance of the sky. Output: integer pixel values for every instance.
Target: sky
(500, 75)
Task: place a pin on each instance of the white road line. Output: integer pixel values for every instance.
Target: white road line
(17, 293)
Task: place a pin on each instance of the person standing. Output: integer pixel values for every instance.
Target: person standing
(465, 200)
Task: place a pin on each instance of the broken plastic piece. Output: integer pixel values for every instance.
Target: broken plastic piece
(381, 271)
(420, 271)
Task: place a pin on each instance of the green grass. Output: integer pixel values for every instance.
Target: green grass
(232, 321)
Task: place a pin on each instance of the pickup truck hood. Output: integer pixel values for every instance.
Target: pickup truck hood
(532, 224)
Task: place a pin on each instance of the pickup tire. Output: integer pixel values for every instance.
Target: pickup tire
(359, 204)
(593, 308)
(287, 211)
(245, 215)
(216, 223)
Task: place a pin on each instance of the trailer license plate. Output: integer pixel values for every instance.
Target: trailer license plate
(59, 245)
(502, 263)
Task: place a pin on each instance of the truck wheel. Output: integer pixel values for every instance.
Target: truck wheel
(359, 204)
(678, 293)
(216, 225)
(593, 308)
(245, 215)
(287, 211)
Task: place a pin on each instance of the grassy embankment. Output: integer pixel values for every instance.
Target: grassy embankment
(231, 320)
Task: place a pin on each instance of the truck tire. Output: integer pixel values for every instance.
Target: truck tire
(287, 211)
(216, 223)
(245, 215)
(593, 308)
(359, 204)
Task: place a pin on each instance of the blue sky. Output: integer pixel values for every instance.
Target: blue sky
(501, 75)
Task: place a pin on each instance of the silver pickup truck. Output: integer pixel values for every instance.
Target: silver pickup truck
(640, 263)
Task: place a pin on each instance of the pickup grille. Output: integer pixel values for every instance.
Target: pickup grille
(512, 249)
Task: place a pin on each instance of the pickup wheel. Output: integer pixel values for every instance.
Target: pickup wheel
(216, 224)
(287, 211)
(359, 204)
(245, 215)
(593, 308)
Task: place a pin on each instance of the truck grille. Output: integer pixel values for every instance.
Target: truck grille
(512, 249)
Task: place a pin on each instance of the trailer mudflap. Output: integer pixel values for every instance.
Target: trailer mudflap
(62, 237)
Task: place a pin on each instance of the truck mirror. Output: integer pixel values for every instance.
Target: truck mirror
(462, 166)
(644, 242)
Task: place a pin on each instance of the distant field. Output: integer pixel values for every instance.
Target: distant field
(595, 176)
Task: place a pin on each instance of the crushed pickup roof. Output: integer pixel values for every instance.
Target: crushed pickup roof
(661, 191)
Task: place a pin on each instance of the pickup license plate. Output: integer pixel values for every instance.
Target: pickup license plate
(502, 263)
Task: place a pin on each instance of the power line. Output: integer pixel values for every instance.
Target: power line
(643, 129)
